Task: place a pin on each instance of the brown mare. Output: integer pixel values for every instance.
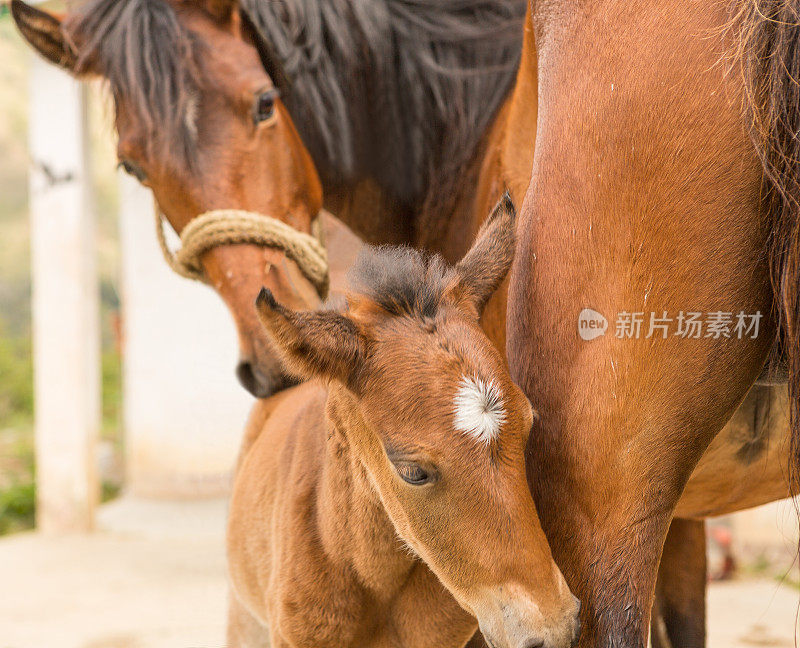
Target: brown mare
(648, 195)
(202, 124)
(245, 152)
(192, 127)
(410, 449)
(500, 161)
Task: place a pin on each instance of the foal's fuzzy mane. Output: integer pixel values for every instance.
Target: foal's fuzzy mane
(398, 90)
(147, 56)
(402, 280)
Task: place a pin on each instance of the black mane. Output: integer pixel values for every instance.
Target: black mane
(398, 90)
(401, 91)
(147, 56)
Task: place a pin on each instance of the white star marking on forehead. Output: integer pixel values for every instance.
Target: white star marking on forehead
(479, 410)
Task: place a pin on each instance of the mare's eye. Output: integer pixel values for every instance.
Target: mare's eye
(133, 170)
(264, 107)
(414, 473)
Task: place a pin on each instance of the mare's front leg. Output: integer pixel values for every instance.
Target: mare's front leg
(607, 522)
(679, 611)
(610, 456)
(611, 555)
(678, 617)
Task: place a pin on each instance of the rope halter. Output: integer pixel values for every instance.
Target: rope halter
(229, 226)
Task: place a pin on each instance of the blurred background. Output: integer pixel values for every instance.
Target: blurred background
(125, 468)
(112, 501)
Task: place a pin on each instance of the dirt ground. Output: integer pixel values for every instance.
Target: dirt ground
(155, 578)
(751, 612)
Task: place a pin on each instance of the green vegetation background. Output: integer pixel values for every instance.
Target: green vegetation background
(17, 466)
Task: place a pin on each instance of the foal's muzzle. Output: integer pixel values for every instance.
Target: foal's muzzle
(518, 622)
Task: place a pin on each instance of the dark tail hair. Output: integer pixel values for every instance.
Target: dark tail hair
(768, 34)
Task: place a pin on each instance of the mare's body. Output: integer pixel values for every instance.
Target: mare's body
(645, 195)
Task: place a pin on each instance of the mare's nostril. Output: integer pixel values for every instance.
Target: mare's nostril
(252, 380)
(260, 384)
(244, 372)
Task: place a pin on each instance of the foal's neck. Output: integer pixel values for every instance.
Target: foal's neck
(356, 534)
(353, 526)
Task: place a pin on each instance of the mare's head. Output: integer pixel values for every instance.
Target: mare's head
(427, 406)
(202, 125)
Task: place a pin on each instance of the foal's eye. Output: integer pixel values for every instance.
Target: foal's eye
(264, 107)
(133, 170)
(413, 473)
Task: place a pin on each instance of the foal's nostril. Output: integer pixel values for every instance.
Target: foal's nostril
(577, 635)
(534, 643)
(577, 632)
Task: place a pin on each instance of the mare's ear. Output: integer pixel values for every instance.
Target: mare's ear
(484, 267)
(220, 10)
(313, 344)
(43, 31)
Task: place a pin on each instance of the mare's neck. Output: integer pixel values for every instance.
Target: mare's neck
(367, 210)
(445, 224)
(448, 224)
(427, 127)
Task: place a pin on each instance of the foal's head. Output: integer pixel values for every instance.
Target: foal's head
(428, 407)
(202, 125)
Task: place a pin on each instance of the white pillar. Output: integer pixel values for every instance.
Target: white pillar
(184, 411)
(65, 304)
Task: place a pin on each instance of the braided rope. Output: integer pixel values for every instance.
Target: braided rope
(228, 226)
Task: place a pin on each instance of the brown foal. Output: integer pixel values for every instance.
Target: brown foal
(202, 124)
(387, 505)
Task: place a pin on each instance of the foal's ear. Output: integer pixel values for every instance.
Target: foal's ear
(43, 31)
(485, 266)
(313, 344)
